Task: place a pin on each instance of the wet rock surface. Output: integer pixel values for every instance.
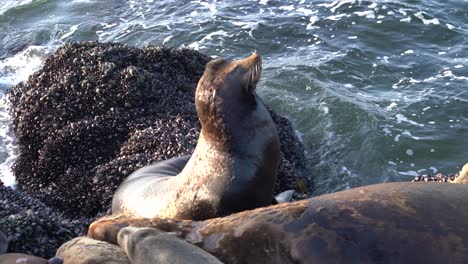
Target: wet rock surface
(3, 242)
(83, 250)
(95, 113)
(32, 227)
(460, 177)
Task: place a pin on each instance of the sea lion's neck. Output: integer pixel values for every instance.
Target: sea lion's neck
(210, 158)
(238, 172)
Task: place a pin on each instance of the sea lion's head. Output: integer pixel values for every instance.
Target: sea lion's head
(226, 94)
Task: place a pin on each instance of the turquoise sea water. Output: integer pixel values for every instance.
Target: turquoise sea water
(377, 90)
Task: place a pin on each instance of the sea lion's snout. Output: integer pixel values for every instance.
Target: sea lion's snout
(253, 70)
(251, 61)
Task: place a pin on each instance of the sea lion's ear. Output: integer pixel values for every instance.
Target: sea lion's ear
(215, 64)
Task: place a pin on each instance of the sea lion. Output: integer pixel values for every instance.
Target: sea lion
(149, 245)
(462, 175)
(83, 250)
(234, 165)
(384, 223)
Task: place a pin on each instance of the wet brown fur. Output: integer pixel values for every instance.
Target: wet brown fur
(384, 223)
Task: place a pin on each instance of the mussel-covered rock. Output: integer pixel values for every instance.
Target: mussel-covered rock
(98, 111)
(33, 228)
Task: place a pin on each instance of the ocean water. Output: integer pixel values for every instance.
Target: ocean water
(376, 90)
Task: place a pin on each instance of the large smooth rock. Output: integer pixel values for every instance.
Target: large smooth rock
(83, 250)
(17, 258)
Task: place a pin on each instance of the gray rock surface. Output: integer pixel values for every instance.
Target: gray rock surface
(3, 242)
(32, 227)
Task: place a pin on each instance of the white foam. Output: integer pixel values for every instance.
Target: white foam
(387, 131)
(391, 106)
(194, 45)
(106, 25)
(17, 68)
(7, 5)
(408, 19)
(83, 1)
(306, 12)
(407, 133)
(312, 20)
(397, 138)
(408, 52)
(425, 21)
(401, 118)
(72, 31)
(197, 44)
(409, 173)
(8, 142)
(336, 17)
(409, 152)
(246, 25)
(211, 6)
(337, 4)
(14, 70)
(449, 26)
(325, 109)
(166, 39)
(367, 14)
(287, 8)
